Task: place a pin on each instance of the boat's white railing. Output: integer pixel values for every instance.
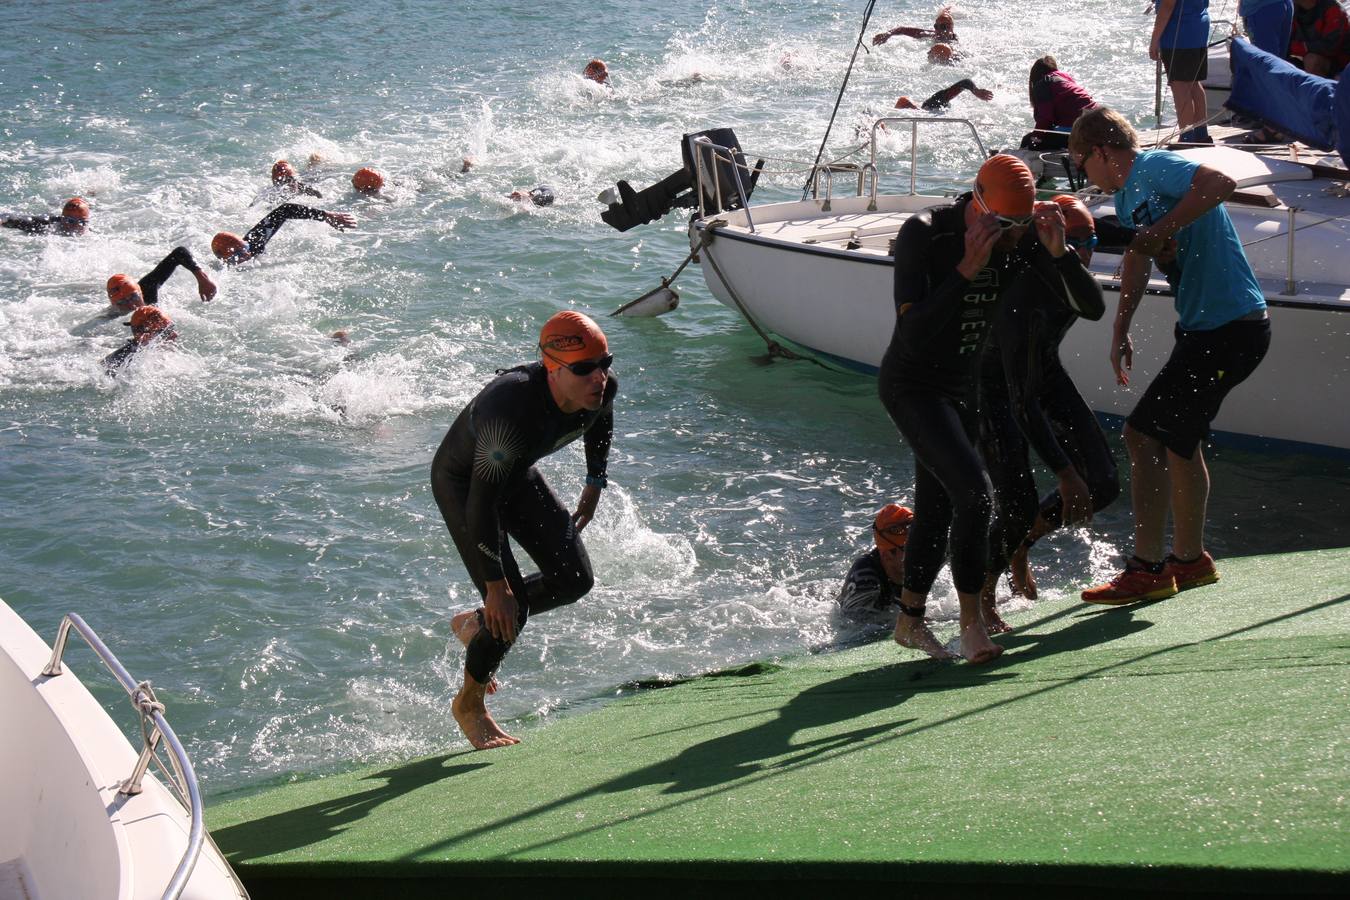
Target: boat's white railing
(701, 160)
(153, 726)
(914, 123)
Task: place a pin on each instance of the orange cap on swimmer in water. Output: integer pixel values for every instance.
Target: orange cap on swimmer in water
(944, 21)
(596, 70)
(570, 337)
(76, 208)
(121, 289)
(891, 527)
(905, 103)
(1076, 215)
(146, 322)
(940, 53)
(282, 171)
(1006, 186)
(226, 244)
(367, 180)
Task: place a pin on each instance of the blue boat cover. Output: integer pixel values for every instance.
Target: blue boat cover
(1286, 98)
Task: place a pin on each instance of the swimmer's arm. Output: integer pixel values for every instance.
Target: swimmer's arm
(1020, 334)
(1085, 294)
(30, 224)
(926, 309)
(308, 189)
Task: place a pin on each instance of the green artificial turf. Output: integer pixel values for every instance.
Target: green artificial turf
(1192, 744)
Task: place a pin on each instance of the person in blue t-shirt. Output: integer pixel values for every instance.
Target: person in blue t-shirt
(1222, 335)
(1180, 39)
(1268, 24)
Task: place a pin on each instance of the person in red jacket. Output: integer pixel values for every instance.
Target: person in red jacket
(1056, 102)
(1320, 41)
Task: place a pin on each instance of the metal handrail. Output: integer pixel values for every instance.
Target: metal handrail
(829, 170)
(700, 168)
(147, 707)
(914, 123)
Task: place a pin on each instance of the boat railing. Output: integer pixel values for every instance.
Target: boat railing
(914, 123)
(154, 726)
(705, 152)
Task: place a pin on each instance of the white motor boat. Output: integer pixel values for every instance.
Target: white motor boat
(818, 273)
(83, 819)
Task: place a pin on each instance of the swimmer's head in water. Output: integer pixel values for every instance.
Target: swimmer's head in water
(891, 527)
(940, 54)
(466, 163)
(228, 246)
(147, 323)
(596, 71)
(75, 211)
(944, 21)
(124, 292)
(282, 172)
(367, 180)
(905, 103)
(569, 338)
(1006, 188)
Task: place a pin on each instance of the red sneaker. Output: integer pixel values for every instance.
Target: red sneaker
(1192, 574)
(1134, 585)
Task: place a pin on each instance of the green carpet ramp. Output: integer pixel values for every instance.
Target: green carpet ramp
(1196, 744)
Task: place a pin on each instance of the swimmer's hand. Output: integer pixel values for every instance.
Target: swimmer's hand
(500, 610)
(879, 39)
(1049, 220)
(980, 240)
(1074, 494)
(983, 93)
(340, 221)
(590, 496)
(206, 288)
(1122, 356)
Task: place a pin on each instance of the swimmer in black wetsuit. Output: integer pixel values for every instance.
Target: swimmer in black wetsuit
(285, 178)
(943, 98)
(952, 267)
(74, 220)
(1026, 396)
(539, 196)
(874, 580)
(126, 294)
(147, 325)
(488, 489)
(232, 249)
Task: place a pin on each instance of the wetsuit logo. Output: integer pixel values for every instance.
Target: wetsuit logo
(563, 343)
(495, 452)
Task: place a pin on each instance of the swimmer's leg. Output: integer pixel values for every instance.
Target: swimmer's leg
(472, 716)
(912, 630)
(989, 605)
(465, 625)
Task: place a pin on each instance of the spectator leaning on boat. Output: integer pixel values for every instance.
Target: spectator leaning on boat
(1056, 101)
(1027, 398)
(1268, 24)
(1320, 41)
(1180, 39)
(875, 579)
(1222, 335)
(952, 267)
(488, 490)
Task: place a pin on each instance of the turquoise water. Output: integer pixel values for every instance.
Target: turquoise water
(248, 520)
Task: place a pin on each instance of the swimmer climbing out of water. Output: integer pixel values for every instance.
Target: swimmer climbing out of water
(126, 294)
(489, 492)
(73, 220)
(941, 99)
(232, 249)
(953, 265)
(148, 325)
(875, 579)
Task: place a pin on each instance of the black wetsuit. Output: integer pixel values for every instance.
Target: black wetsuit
(34, 224)
(113, 362)
(867, 589)
(927, 380)
(943, 98)
(1026, 397)
(266, 229)
(153, 280)
(487, 487)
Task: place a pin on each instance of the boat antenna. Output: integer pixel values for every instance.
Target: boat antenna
(867, 17)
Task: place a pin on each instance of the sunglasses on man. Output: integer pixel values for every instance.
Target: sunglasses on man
(586, 366)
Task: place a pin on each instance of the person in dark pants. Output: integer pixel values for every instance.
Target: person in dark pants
(232, 249)
(1222, 334)
(488, 490)
(1179, 41)
(953, 265)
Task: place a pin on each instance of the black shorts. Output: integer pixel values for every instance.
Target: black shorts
(1185, 63)
(1187, 392)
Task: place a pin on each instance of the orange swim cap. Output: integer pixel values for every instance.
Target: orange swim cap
(282, 171)
(940, 54)
(596, 70)
(367, 180)
(147, 322)
(76, 208)
(944, 21)
(570, 337)
(891, 527)
(226, 244)
(905, 103)
(121, 289)
(1076, 215)
(1006, 186)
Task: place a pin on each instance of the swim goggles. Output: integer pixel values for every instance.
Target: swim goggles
(894, 535)
(1087, 243)
(1004, 222)
(586, 366)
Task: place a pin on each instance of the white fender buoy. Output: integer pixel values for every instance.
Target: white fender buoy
(655, 302)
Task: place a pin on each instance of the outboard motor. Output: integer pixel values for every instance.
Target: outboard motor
(677, 189)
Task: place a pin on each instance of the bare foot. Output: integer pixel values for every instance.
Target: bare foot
(916, 635)
(976, 646)
(993, 622)
(465, 625)
(1023, 582)
(478, 726)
